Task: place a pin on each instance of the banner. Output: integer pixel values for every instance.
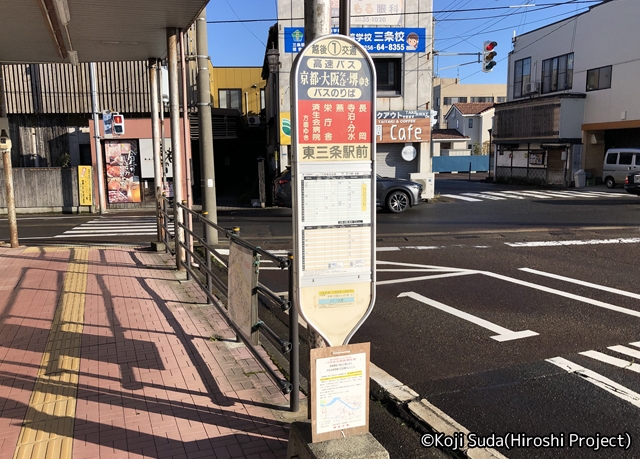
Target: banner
(85, 185)
(373, 39)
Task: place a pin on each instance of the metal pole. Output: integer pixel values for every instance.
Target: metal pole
(8, 172)
(102, 202)
(187, 221)
(187, 143)
(317, 23)
(207, 254)
(155, 134)
(317, 19)
(176, 141)
(294, 359)
(345, 17)
(207, 165)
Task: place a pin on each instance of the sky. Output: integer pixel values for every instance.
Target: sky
(462, 26)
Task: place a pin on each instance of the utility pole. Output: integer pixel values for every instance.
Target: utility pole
(155, 134)
(176, 143)
(207, 165)
(102, 203)
(5, 149)
(317, 22)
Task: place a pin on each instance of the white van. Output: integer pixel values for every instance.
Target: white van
(617, 164)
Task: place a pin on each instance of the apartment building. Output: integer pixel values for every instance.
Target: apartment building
(449, 91)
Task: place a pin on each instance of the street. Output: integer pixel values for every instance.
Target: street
(512, 314)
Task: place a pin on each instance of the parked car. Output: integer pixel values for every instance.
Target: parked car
(632, 183)
(393, 194)
(617, 164)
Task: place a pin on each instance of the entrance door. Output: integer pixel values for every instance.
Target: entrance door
(556, 167)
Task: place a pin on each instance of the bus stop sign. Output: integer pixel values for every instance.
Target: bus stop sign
(334, 185)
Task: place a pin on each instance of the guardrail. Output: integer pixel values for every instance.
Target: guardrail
(199, 267)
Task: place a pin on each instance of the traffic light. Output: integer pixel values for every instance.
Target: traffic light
(118, 124)
(488, 54)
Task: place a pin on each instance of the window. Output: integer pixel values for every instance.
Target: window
(263, 103)
(445, 146)
(455, 100)
(470, 122)
(501, 99)
(612, 158)
(626, 159)
(389, 75)
(599, 78)
(521, 76)
(482, 99)
(230, 98)
(470, 146)
(557, 73)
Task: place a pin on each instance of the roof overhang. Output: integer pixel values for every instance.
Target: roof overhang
(114, 30)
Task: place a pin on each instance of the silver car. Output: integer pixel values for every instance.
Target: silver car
(394, 194)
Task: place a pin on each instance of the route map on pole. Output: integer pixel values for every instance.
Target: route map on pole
(333, 177)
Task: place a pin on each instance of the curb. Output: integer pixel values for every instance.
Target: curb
(422, 414)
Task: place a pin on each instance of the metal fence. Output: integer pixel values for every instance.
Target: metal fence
(198, 263)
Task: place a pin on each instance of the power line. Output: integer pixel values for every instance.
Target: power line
(542, 6)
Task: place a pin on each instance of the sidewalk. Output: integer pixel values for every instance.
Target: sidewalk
(105, 354)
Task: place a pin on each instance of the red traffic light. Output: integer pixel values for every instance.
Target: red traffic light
(490, 45)
(118, 119)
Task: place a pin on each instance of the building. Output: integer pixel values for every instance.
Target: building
(240, 88)
(403, 85)
(472, 120)
(572, 94)
(449, 91)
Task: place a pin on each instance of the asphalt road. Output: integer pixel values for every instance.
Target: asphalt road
(511, 309)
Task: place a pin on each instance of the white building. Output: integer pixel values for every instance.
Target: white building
(572, 94)
(472, 121)
(404, 77)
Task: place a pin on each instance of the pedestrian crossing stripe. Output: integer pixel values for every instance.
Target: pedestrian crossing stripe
(528, 194)
(146, 226)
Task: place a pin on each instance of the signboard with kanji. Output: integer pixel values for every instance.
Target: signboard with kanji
(372, 39)
(334, 184)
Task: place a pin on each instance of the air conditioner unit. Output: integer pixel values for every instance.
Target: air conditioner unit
(531, 88)
(253, 120)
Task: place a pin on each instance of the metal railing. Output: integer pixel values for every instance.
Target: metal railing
(199, 267)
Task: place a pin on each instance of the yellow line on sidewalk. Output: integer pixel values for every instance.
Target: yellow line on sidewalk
(47, 430)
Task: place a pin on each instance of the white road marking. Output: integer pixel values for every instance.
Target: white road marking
(529, 194)
(615, 361)
(387, 249)
(632, 240)
(503, 334)
(485, 196)
(583, 299)
(414, 265)
(415, 279)
(500, 193)
(626, 351)
(462, 198)
(598, 380)
(579, 282)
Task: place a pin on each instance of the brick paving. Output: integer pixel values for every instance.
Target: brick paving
(152, 382)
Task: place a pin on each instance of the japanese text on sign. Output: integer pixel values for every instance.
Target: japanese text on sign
(374, 40)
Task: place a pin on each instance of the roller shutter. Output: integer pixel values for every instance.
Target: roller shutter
(390, 163)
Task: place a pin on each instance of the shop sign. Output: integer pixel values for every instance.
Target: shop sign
(122, 168)
(403, 126)
(372, 39)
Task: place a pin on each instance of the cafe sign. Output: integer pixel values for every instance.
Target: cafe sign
(403, 126)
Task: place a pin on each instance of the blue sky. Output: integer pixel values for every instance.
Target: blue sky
(462, 31)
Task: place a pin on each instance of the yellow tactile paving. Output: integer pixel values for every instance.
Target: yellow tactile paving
(47, 430)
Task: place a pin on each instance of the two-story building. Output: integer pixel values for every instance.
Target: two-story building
(572, 94)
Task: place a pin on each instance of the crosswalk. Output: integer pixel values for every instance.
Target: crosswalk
(618, 358)
(533, 194)
(134, 226)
